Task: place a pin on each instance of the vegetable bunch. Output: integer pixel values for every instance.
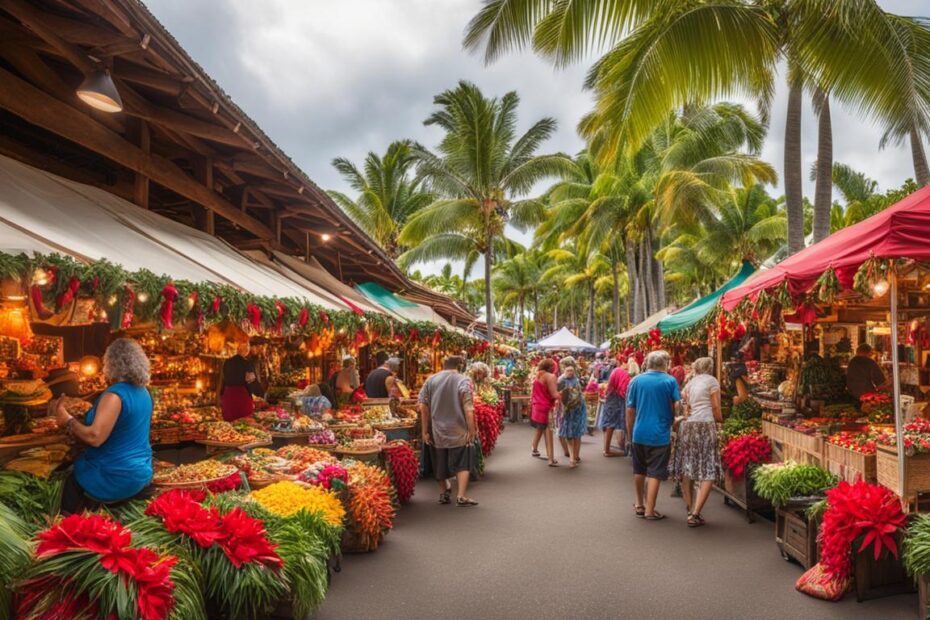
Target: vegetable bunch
(916, 552)
(778, 482)
(741, 452)
(734, 427)
(747, 410)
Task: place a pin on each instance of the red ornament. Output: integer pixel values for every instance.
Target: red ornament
(68, 295)
(255, 316)
(169, 295)
(323, 316)
(128, 309)
(303, 317)
(215, 306)
(279, 320)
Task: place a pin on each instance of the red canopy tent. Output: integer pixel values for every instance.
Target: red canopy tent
(900, 231)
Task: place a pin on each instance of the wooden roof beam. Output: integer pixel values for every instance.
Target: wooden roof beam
(35, 21)
(39, 108)
(111, 13)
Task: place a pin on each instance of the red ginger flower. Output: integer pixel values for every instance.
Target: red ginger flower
(94, 533)
(247, 541)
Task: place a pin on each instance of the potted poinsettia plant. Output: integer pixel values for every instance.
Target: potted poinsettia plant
(740, 455)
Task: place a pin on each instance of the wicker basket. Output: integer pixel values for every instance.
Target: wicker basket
(916, 471)
(165, 435)
(849, 464)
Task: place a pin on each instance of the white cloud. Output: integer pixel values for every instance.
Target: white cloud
(341, 78)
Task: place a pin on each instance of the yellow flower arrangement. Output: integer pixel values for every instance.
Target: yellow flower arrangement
(286, 498)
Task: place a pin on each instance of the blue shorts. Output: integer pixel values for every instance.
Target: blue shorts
(651, 461)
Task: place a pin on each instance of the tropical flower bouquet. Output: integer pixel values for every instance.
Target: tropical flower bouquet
(916, 437)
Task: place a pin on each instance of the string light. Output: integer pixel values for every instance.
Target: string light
(40, 277)
(143, 297)
(112, 300)
(880, 287)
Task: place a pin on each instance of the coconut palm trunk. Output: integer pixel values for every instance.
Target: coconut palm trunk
(615, 272)
(634, 282)
(921, 170)
(823, 190)
(589, 322)
(488, 295)
(794, 199)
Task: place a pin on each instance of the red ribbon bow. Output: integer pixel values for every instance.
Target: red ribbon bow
(68, 295)
(128, 308)
(279, 320)
(255, 315)
(169, 295)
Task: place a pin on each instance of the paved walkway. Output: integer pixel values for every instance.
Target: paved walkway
(561, 543)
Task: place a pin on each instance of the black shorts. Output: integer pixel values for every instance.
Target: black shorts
(651, 461)
(539, 425)
(449, 461)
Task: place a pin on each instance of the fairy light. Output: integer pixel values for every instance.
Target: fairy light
(40, 277)
(112, 300)
(880, 287)
(143, 297)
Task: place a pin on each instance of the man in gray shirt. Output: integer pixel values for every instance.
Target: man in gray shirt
(448, 421)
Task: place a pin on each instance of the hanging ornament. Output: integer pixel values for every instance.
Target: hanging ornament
(324, 317)
(68, 295)
(128, 306)
(827, 287)
(255, 316)
(279, 319)
(169, 295)
(215, 305)
(303, 317)
(95, 284)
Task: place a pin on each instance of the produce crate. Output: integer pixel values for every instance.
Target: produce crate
(849, 464)
(775, 432)
(796, 536)
(741, 493)
(883, 577)
(916, 471)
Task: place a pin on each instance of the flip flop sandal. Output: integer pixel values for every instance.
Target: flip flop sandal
(640, 511)
(695, 520)
(554, 464)
(654, 517)
(445, 498)
(465, 502)
(535, 453)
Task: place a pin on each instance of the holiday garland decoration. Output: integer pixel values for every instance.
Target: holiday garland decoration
(489, 419)
(865, 510)
(127, 298)
(827, 287)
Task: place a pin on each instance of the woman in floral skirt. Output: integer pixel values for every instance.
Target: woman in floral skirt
(697, 456)
(574, 421)
(613, 412)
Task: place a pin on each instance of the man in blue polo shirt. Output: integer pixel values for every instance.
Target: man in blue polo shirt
(651, 400)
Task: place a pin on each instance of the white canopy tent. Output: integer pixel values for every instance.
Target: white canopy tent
(564, 340)
(313, 271)
(641, 328)
(44, 213)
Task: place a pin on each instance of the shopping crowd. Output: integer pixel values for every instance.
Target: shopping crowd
(641, 409)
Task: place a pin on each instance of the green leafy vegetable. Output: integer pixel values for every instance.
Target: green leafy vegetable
(779, 482)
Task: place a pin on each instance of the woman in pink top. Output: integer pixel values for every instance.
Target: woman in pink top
(613, 414)
(545, 396)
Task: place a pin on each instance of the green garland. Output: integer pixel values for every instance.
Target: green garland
(784, 298)
(110, 286)
(827, 287)
(869, 272)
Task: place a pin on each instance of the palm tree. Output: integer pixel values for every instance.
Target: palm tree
(446, 282)
(481, 169)
(387, 193)
(666, 54)
(579, 269)
(516, 283)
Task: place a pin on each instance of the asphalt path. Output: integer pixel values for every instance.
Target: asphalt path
(562, 543)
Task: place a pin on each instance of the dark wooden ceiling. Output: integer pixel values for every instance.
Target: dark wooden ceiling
(181, 147)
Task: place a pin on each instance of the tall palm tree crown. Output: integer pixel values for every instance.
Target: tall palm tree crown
(388, 194)
(480, 171)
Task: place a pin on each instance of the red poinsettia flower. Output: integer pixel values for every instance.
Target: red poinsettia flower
(83, 532)
(247, 541)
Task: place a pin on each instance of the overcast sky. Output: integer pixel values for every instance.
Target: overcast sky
(328, 78)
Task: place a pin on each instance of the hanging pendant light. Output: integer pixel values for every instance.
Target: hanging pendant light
(98, 91)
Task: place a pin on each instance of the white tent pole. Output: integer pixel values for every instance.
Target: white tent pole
(895, 377)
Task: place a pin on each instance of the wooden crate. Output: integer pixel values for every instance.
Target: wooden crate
(883, 577)
(741, 493)
(916, 471)
(796, 536)
(775, 432)
(850, 465)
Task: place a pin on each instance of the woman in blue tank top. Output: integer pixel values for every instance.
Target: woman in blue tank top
(117, 461)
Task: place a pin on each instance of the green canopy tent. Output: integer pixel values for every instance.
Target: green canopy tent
(697, 310)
